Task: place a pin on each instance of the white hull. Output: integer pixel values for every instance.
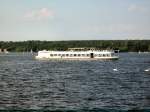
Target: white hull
(112, 58)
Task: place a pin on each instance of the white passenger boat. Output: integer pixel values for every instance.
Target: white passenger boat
(78, 54)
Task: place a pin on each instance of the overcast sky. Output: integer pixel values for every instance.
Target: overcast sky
(74, 19)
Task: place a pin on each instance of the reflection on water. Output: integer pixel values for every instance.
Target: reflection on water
(26, 83)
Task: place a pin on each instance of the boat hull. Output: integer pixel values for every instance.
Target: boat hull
(102, 58)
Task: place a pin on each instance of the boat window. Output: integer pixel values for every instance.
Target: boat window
(67, 54)
(103, 55)
(71, 55)
(87, 55)
(63, 54)
(79, 54)
(108, 55)
(95, 55)
(75, 54)
(55, 54)
(83, 54)
(100, 55)
(59, 54)
(51, 54)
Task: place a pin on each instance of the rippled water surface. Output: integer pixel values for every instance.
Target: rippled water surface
(26, 83)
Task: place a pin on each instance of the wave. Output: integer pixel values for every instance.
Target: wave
(80, 110)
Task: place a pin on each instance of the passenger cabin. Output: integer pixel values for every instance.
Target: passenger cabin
(76, 53)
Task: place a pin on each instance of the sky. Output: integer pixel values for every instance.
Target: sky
(51, 20)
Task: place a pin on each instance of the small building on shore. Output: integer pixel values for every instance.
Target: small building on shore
(3, 51)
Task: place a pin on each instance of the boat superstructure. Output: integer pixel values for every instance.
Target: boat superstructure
(76, 54)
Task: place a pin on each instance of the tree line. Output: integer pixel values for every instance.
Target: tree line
(122, 45)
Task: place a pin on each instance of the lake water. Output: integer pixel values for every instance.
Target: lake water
(30, 84)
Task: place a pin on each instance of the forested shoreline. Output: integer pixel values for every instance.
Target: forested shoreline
(122, 45)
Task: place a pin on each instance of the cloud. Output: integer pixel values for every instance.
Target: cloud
(41, 14)
(136, 8)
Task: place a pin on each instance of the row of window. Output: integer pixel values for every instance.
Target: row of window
(82, 55)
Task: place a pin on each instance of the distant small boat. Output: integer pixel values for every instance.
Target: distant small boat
(139, 52)
(31, 51)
